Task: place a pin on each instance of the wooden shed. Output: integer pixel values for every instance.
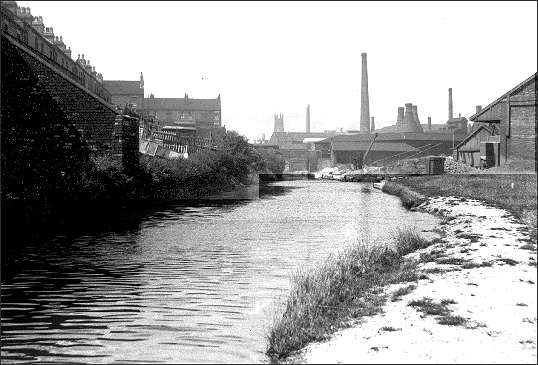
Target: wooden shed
(480, 148)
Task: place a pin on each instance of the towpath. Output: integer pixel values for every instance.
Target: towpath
(478, 304)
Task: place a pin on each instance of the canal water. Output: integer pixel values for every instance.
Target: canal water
(185, 283)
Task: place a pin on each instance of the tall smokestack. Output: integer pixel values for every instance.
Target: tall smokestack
(308, 118)
(372, 125)
(450, 110)
(400, 119)
(430, 123)
(365, 108)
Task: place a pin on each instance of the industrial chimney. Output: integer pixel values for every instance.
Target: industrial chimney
(430, 123)
(450, 104)
(365, 108)
(308, 118)
(372, 125)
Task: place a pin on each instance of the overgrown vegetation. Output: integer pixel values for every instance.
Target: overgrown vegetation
(343, 288)
(101, 178)
(408, 197)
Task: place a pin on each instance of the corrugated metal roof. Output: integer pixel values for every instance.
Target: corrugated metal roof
(363, 146)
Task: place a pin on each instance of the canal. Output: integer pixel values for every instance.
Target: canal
(185, 283)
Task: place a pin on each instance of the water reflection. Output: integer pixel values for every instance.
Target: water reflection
(187, 283)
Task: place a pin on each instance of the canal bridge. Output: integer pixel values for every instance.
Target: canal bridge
(33, 66)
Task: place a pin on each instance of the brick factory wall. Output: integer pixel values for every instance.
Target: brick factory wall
(522, 142)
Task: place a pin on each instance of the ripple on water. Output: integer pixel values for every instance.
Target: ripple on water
(192, 284)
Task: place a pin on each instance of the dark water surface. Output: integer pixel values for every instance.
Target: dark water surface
(194, 283)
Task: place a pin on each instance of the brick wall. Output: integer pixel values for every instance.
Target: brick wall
(122, 100)
(522, 142)
(126, 141)
(90, 120)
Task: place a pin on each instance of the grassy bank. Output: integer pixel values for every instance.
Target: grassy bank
(513, 192)
(408, 197)
(344, 287)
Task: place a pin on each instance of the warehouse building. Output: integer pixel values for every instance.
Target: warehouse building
(512, 118)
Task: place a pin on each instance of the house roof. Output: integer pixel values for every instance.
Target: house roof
(473, 134)
(512, 91)
(181, 104)
(119, 87)
(363, 146)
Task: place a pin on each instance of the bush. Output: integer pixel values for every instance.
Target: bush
(102, 178)
(274, 162)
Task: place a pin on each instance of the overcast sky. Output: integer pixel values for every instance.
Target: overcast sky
(269, 57)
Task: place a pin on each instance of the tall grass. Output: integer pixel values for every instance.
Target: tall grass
(408, 197)
(342, 288)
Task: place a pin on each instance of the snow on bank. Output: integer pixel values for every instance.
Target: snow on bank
(498, 301)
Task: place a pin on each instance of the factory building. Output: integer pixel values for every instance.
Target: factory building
(512, 120)
(389, 147)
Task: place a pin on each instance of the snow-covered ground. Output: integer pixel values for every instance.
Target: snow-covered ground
(498, 301)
